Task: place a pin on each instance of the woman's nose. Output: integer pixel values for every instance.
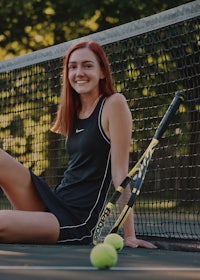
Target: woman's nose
(79, 71)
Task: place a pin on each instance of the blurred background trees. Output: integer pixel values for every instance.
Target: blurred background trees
(29, 25)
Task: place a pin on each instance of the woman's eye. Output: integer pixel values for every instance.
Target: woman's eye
(72, 67)
(88, 65)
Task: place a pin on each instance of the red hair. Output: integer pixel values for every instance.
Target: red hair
(69, 100)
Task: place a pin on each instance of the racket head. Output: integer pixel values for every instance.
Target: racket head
(108, 214)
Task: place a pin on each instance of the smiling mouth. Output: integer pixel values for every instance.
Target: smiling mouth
(81, 82)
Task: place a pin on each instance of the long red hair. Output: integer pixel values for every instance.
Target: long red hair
(69, 99)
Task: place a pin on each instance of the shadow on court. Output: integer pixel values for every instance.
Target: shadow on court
(20, 262)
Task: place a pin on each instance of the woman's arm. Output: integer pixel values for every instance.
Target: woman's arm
(119, 130)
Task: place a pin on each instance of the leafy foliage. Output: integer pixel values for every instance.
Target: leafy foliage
(29, 25)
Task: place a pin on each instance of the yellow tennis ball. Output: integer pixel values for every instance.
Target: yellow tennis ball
(115, 240)
(103, 256)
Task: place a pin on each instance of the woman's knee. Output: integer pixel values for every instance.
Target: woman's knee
(3, 158)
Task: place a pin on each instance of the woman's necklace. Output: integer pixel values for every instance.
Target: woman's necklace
(86, 114)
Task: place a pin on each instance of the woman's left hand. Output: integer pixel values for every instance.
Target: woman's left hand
(133, 242)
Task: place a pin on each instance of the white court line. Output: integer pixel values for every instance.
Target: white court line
(79, 268)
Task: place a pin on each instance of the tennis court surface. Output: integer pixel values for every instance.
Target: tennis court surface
(21, 262)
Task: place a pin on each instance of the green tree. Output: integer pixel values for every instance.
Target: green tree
(29, 25)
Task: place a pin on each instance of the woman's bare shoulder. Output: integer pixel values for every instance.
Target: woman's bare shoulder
(116, 99)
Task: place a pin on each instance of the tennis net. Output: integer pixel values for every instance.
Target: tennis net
(150, 59)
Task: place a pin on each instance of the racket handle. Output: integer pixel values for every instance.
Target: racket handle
(179, 97)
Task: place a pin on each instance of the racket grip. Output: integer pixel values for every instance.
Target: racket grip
(178, 98)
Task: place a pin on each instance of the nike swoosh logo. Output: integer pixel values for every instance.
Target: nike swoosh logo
(79, 130)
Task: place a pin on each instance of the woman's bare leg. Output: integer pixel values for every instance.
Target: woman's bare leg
(28, 227)
(15, 180)
(28, 223)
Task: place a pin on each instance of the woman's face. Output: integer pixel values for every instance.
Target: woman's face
(84, 71)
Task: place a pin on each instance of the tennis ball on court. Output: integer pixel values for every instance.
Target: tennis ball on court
(115, 240)
(103, 256)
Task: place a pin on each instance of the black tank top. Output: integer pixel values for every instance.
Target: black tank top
(88, 175)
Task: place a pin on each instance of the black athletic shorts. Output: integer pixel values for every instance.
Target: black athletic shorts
(73, 229)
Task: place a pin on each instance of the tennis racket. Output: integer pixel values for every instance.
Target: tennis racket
(136, 174)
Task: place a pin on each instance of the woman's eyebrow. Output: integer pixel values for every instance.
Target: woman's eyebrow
(84, 61)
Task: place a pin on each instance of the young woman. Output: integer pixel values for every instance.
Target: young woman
(97, 124)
